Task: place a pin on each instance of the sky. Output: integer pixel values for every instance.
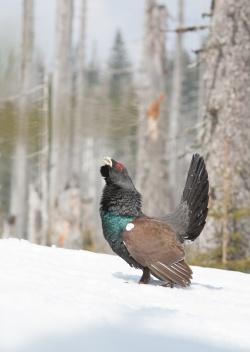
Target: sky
(104, 17)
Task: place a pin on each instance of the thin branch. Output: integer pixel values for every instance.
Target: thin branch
(206, 14)
(17, 96)
(187, 29)
(198, 51)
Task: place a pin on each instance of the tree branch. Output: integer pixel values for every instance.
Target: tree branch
(187, 29)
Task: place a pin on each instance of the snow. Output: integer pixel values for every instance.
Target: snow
(55, 299)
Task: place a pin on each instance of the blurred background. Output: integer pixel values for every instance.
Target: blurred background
(146, 82)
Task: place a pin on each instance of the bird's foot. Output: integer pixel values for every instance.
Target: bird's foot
(145, 276)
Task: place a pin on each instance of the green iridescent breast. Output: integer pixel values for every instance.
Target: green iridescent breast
(113, 225)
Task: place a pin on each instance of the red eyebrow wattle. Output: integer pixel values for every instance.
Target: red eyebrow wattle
(119, 166)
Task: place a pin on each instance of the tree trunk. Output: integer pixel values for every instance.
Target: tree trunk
(175, 169)
(39, 191)
(77, 140)
(152, 129)
(227, 126)
(19, 188)
(61, 102)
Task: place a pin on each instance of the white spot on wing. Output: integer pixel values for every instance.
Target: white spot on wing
(130, 226)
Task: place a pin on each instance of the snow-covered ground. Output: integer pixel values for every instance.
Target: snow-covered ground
(63, 300)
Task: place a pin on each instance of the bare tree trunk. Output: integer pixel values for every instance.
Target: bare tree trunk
(152, 129)
(77, 141)
(19, 190)
(227, 122)
(226, 202)
(175, 115)
(82, 148)
(88, 188)
(38, 191)
(60, 126)
(44, 162)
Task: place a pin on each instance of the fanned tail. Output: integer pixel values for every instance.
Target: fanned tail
(195, 195)
(189, 218)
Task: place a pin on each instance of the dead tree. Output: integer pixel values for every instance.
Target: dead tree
(175, 115)
(60, 125)
(77, 133)
(19, 187)
(227, 127)
(39, 189)
(152, 128)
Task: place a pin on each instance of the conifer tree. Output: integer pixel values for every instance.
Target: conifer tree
(119, 67)
(123, 112)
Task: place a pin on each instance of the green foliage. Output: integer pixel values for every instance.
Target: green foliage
(236, 246)
(88, 242)
(213, 255)
(235, 265)
(123, 116)
(119, 68)
(119, 59)
(189, 86)
(213, 258)
(234, 214)
(92, 75)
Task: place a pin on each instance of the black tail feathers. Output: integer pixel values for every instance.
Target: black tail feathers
(195, 196)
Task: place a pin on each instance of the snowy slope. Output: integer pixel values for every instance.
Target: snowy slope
(63, 300)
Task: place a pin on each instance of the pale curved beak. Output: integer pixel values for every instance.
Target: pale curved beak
(107, 161)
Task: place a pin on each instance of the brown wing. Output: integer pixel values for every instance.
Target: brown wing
(153, 244)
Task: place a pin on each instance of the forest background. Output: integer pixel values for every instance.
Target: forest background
(146, 82)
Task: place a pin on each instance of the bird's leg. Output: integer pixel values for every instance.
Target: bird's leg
(145, 276)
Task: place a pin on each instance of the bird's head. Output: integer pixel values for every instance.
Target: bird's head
(119, 194)
(115, 173)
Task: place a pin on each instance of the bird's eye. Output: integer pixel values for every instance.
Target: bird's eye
(119, 167)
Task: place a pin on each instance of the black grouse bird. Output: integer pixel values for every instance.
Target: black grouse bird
(154, 245)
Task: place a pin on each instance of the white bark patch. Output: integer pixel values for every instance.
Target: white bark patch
(130, 226)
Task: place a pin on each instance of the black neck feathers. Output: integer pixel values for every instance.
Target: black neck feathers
(121, 201)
